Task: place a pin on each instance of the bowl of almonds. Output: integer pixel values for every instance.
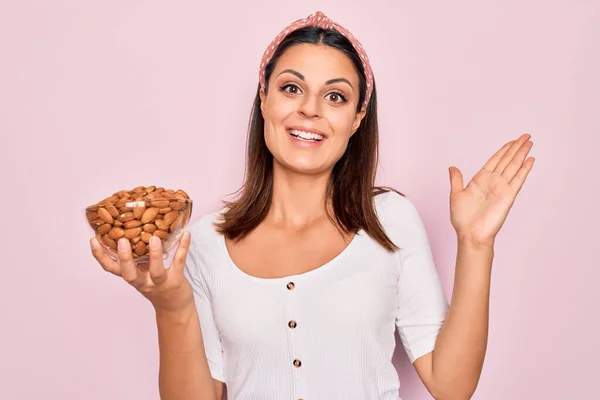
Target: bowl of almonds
(137, 215)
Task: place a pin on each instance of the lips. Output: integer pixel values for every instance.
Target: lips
(306, 134)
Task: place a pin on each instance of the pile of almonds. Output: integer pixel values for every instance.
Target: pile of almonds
(139, 214)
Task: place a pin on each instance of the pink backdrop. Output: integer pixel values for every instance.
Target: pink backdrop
(100, 96)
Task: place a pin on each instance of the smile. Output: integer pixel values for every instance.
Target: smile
(307, 136)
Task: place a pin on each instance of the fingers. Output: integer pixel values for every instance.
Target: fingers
(158, 274)
(517, 182)
(181, 254)
(517, 161)
(129, 271)
(510, 153)
(456, 180)
(107, 263)
(493, 161)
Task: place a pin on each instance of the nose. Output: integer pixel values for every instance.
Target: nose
(310, 106)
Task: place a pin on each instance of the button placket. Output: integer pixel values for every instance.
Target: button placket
(292, 322)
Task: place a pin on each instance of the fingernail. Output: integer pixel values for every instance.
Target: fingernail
(186, 235)
(94, 243)
(122, 244)
(154, 243)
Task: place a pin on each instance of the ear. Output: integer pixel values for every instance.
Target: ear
(358, 119)
(263, 100)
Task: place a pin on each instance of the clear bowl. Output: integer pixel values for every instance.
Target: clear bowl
(137, 215)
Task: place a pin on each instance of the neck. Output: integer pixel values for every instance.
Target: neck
(298, 199)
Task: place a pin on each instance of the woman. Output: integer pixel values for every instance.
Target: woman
(294, 291)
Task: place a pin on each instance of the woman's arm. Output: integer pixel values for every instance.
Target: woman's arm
(453, 369)
(477, 213)
(184, 372)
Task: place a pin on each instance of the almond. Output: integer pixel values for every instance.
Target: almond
(138, 211)
(109, 242)
(150, 228)
(105, 215)
(161, 234)
(177, 205)
(112, 210)
(121, 193)
(125, 217)
(112, 199)
(92, 215)
(103, 229)
(184, 194)
(162, 225)
(146, 237)
(176, 224)
(140, 249)
(170, 217)
(122, 202)
(165, 210)
(134, 223)
(116, 233)
(160, 203)
(132, 233)
(149, 215)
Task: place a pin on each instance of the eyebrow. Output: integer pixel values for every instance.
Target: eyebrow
(329, 82)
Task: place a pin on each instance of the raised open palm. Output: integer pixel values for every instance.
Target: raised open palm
(478, 211)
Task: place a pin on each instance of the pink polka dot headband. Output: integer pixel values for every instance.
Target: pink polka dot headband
(321, 20)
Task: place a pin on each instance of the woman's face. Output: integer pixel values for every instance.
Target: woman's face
(310, 110)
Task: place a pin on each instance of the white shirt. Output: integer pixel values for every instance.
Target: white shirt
(325, 334)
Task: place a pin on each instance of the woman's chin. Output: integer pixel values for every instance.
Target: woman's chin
(305, 166)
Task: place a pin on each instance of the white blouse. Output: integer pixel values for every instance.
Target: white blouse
(325, 334)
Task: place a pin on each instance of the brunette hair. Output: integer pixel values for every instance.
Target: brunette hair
(352, 184)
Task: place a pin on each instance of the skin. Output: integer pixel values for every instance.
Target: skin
(296, 236)
(477, 212)
(307, 89)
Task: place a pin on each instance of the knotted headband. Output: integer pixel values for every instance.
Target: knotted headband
(322, 21)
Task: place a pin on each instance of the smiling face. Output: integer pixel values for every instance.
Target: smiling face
(310, 109)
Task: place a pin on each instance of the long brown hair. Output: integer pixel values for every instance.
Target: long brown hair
(352, 184)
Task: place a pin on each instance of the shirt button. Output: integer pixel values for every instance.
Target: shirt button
(297, 363)
(292, 324)
(291, 286)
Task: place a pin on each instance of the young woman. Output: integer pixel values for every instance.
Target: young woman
(295, 290)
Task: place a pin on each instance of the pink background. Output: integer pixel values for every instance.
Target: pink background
(100, 96)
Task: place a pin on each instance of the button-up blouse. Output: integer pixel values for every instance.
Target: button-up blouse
(325, 334)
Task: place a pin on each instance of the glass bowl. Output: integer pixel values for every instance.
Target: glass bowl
(137, 215)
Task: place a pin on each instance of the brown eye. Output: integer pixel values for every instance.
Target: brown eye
(337, 97)
(289, 88)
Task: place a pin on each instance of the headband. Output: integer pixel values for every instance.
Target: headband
(322, 21)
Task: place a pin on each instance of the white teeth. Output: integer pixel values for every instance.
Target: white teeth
(306, 135)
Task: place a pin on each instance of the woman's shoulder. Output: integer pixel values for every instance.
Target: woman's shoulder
(392, 206)
(398, 216)
(203, 230)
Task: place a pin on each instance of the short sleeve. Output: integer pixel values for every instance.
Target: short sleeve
(193, 272)
(422, 305)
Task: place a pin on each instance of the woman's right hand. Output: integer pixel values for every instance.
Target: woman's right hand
(167, 289)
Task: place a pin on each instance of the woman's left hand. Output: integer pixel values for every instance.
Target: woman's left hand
(478, 211)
